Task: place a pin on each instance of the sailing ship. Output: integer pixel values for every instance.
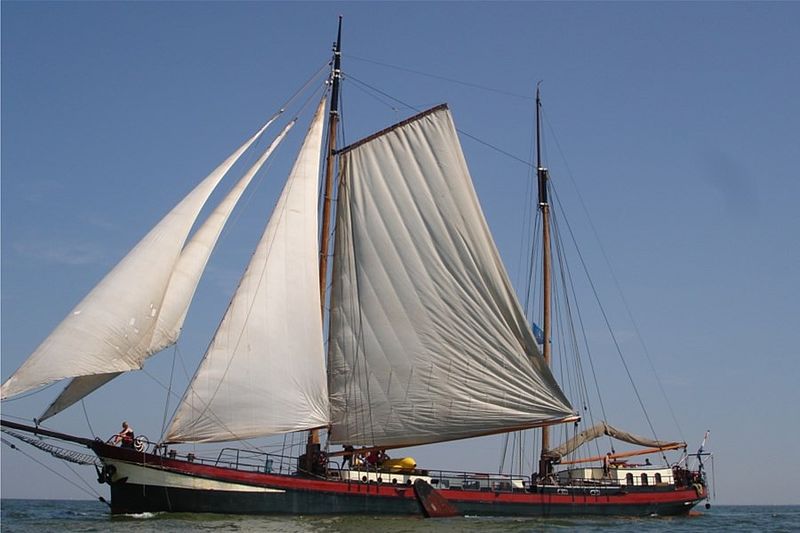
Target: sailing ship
(427, 342)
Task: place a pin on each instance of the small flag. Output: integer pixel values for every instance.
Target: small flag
(538, 333)
(702, 444)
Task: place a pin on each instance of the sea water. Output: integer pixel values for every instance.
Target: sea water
(75, 515)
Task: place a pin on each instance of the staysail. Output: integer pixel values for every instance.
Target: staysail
(105, 332)
(264, 372)
(180, 291)
(428, 341)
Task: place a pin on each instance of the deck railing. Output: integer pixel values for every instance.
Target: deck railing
(238, 459)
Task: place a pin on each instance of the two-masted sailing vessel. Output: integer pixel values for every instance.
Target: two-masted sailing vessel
(426, 342)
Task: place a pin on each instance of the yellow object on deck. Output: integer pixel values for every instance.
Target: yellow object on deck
(404, 465)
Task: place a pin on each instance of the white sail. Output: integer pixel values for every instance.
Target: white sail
(264, 372)
(428, 341)
(180, 291)
(104, 333)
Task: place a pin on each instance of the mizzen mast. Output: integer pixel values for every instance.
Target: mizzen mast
(544, 207)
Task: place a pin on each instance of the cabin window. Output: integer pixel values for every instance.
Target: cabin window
(644, 479)
(472, 484)
(629, 478)
(498, 486)
(658, 478)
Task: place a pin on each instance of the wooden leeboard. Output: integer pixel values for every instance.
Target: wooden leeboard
(434, 505)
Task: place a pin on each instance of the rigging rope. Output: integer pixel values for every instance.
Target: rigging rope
(568, 287)
(615, 279)
(608, 325)
(58, 452)
(88, 491)
(462, 132)
(86, 415)
(169, 393)
(443, 78)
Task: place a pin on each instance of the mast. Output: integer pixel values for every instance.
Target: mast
(544, 465)
(333, 122)
(312, 446)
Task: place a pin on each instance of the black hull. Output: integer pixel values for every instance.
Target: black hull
(128, 498)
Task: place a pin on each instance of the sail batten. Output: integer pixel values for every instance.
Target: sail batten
(181, 288)
(428, 341)
(264, 372)
(107, 331)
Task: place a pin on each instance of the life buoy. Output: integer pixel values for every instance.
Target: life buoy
(140, 443)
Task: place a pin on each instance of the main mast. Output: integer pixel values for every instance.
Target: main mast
(333, 121)
(544, 465)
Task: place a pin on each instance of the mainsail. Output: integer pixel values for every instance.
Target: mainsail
(428, 341)
(107, 331)
(264, 372)
(180, 291)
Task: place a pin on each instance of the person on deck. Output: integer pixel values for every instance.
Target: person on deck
(377, 457)
(347, 457)
(125, 437)
(372, 458)
(606, 464)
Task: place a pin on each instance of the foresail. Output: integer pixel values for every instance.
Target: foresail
(428, 341)
(180, 290)
(264, 372)
(104, 333)
(77, 389)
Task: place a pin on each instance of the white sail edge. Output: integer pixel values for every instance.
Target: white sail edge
(104, 332)
(428, 339)
(264, 371)
(182, 285)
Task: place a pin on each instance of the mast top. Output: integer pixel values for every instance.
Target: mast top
(336, 73)
(540, 170)
(337, 46)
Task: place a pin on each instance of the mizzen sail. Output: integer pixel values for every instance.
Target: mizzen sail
(428, 341)
(602, 429)
(106, 331)
(180, 291)
(264, 372)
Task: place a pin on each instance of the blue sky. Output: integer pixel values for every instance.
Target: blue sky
(678, 124)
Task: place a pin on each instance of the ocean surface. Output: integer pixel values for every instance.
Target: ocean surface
(74, 515)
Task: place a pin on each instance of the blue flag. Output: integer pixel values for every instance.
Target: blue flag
(538, 333)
